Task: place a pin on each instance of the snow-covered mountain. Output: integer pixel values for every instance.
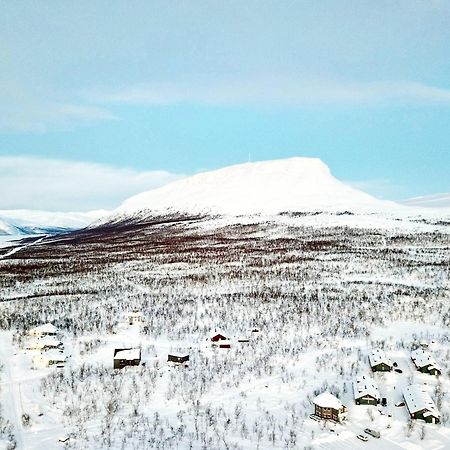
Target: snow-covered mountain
(23, 222)
(429, 201)
(268, 187)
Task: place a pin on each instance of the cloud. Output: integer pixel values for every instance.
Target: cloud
(41, 116)
(379, 187)
(58, 185)
(284, 91)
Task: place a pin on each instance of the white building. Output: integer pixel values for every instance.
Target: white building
(43, 330)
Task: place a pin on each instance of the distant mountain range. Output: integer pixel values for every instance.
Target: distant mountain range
(30, 222)
(429, 201)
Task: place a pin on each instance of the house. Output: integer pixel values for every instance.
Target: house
(379, 362)
(126, 357)
(44, 344)
(365, 391)
(329, 407)
(49, 359)
(424, 362)
(420, 405)
(178, 360)
(220, 340)
(218, 337)
(43, 330)
(135, 318)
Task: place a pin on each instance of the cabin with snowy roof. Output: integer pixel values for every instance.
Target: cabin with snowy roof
(366, 391)
(220, 340)
(178, 360)
(43, 330)
(329, 407)
(126, 357)
(379, 362)
(420, 405)
(424, 362)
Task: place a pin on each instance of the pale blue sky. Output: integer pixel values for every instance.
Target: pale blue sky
(184, 86)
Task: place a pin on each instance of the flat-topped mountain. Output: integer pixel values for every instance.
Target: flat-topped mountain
(268, 187)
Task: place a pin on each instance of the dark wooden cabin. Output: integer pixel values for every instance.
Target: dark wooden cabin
(126, 357)
(178, 359)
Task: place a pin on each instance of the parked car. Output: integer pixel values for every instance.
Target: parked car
(399, 370)
(400, 404)
(373, 433)
(362, 437)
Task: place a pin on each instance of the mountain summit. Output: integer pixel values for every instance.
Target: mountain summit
(268, 187)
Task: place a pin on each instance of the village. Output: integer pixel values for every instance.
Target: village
(390, 388)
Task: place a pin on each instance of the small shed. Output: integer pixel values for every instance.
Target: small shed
(43, 330)
(366, 391)
(126, 357)
(329, 407)
(379, 362)
(225, 344)
(420, 405)
(424, 362)
(178, 360)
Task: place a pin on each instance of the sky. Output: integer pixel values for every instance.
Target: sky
(100, 100)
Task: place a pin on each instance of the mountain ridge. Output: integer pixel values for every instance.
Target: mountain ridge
(268, 187)
(22, 222)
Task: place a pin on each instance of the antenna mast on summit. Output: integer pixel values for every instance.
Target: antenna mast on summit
(249, 157)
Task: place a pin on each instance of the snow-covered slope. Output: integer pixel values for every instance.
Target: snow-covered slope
(269, 187)
(17, 222)
(429, 201)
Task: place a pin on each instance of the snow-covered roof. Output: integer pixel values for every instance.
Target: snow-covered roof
(128, 353)
(365, 385)
(423, 358)
(377, 356)
(327, 400)
(46, 328)
(417, 399)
